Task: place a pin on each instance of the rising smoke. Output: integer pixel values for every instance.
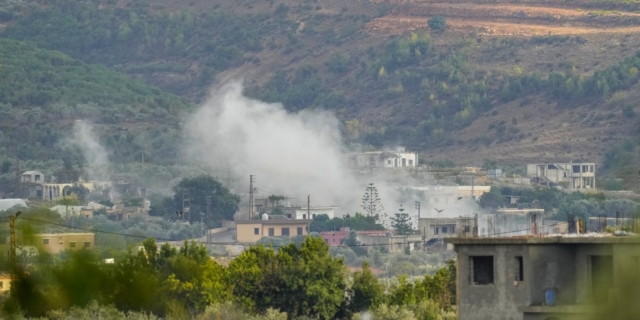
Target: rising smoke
(292, 154)
(96, 156)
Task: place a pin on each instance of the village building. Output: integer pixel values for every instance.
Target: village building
(398, 158)
(541, 278)
(55, 243)
(250, 231)
(570, 176)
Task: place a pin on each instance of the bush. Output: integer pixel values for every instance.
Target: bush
(437, 23)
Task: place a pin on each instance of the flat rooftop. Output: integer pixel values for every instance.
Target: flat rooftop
(560, 239)
(294, 221)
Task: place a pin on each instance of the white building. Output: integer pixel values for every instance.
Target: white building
(304, 213)
(572, 176)
(398, 158)
(441, 228)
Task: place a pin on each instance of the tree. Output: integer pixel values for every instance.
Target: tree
(371, 202)
(200, 190)
(491, 200)
(437, 23)
(367, 292)
(302, 281)
(402, 222)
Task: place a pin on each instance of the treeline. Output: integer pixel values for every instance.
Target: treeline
(138, 39)
(41, 91)
(303, 282)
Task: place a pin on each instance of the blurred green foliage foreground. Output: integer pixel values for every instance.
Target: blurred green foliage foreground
(288, 282)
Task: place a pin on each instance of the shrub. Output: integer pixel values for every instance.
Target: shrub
(437, 23)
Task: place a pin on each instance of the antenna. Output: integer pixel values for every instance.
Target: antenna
(252, 180)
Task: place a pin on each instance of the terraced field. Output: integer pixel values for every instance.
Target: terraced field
(514, 18)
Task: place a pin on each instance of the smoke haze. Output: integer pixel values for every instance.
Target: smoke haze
(95, 154)
(292, 154)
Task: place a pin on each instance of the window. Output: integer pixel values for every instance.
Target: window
(453, 229)
(313, 216)
(1, 284)
(410, 162)
(87, 244)
(388, 161)
(467, 229)
(289, 215)
(304, 216)
(258, 208)
(256, 231)
(444, 230)
(519, 269)
(37, 177)
(72, 244)
(299, 231)
(601, 277)
(591, 168)
(576, 169)
(404, 162)
(585, 168)
(285, 232)
(482, 268)
(45, 241)
(565, 174)
(271, 232)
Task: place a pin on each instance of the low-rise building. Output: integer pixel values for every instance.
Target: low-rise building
(334, 238)
(57, 242)
(390, 243)
(250, 231)
(440, 228)
(534, 278)
(571, 176)
(5, 282)
(398, 158)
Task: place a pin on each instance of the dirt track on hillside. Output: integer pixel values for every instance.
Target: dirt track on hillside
(507, 19)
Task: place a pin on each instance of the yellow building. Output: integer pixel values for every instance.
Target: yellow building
(5, 282)
(250, 231)
(56, 242)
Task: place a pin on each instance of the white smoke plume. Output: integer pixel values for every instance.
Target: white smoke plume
(95, 154)
(292, 154)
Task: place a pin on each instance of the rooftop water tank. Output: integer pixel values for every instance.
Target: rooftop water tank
(265, 216)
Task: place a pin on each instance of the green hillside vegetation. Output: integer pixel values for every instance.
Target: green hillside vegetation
(42, 92)
(138, 40)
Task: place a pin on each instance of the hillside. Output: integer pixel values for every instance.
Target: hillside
(540, 80)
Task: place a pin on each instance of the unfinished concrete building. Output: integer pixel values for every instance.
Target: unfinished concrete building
(571, 176)
(511, 278)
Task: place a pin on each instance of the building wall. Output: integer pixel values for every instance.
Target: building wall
(5, 283)
(427, 227)
(61, 241)
(302, 212)
(245, 232)
(499, 300)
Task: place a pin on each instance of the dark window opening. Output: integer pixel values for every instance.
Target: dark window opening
(45, 241)
(299, 231)
(466, 229)
(519, 269)
(576, 169)
(601, 277)
(482, 267)
(87, 244)
(271, 232)
(289, 215)
(444, 229)
(256, 231)
(285, 232)
(72, 244)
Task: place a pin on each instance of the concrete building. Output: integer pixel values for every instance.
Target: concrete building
(523, 211)
(304, 213)
(508, 278)
(571, 176)
(398, 158)
(5, 282)
(440, 228)
(390, 243)
(34, 181)
(250, 231)
(57, 242)
(334, 238)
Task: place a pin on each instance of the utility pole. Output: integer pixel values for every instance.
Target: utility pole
(473, 195)
(185, 205)
(18, 195)
(309, 206)
(12, 227)
(252, 180)
(418, 207)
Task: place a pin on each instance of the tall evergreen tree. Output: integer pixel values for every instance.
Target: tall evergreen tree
(401, 222)
(371, 202)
